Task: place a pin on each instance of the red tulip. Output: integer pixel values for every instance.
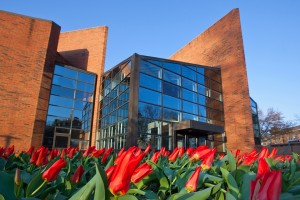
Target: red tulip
(71, 153)
(88, 151)
(273, 153)
(98, 153)
(155, 157)
(2, 150)
(109, 172)
(106, 154)
(9, 151)
(189, 151)
(207, 161)
(142, 171)
(191, 184)
(34, 157)
(263, 168)
(199, 154)
(42, 158)
(249, 160)
(181, 152)
(120, 179)
(77, 174)
(222, 156)
(174, 154)
(52, 173)
(30, 151)
(63, 153)
(53, 154)
(263, 153)
(147, 150)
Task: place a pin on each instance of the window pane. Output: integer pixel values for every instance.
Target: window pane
(59, 111)
(149, 96)
(215, 86)
(84, 96)
(150, 69)
(189, 95)
(171, 77)
(150, 82)
(186, 116)
(65, 71)
(171, 115)
(80, 105)
(191, 85)
(58, 80)
(60, 101)
(156, 62)
(149, 111)
(171, 89)
(202, 111)
(172, 67)
(88, 78)
(61, 91)
(200, 79)
(201, 99)
(172, 102)
(188, 73)
(190, 107)
(200, 70)
(201, 89)
(85, 87)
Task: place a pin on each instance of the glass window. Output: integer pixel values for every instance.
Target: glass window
(149, 111)
(56, 121)
(88, 78)
(171, 89)
(200, 79)
(85, 87)
(191, 85)
(188, 73)
(215, 86)
(156, 62)
(150, 82)
(65, 72)
(150, 69)
(189, 95)
(192, 67)
(60, 101)
(201, 89)
(61, 91)
(172, 67)
(58, 80)
(172, 102)
(190, 107)
(59, 111)
(202, 111)
(171, 115)
(149, 96)
(171, 77)
(80, 105)
(216, 95)
(186, 116)
(84, 96)
(201, 99)
(200, 70)
(117, 79)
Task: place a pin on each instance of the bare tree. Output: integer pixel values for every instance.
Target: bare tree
(273, 124)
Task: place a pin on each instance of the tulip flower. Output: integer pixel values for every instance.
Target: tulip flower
(189, 151)
(109, 172)
(207, 161)
(174, 154)
(18, 177)
(141, 172)
(77, 174)
(98, 153)
(2, 150)
(53, 171)
(155, 157)
(191, 184)
(273, 153)
(34, 157)
(263, 168)
(147, 150)
(181, 152)
(53, 154)
(263, 153)
(249, 160)
(106, 154)
(30, 151)
(42, 158)
(9, 151)
(71, 153)
(89, 150)
(199, 154)
(120, 179)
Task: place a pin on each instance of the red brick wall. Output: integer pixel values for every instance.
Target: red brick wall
(27, 56)
(86, 49)
(222, 45)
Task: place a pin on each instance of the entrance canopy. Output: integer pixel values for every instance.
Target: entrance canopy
(192, 126)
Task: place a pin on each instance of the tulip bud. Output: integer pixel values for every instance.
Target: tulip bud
(18, 177)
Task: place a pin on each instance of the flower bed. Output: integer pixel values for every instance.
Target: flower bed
(135, 174)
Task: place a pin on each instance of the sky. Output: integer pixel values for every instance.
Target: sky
(271, 35)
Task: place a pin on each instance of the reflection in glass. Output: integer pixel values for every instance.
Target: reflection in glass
(65, 72)
(149, 96)
(190, 107)
(149, 111)
(171, 115)
(61, 91)
(172, 102)
(191, 85)
(61, 101)
(186, 72)
(172, 67)
(150, 69)
(88, 78)
(172, 78)
(189, 95)
(171, 89)
(150, 82)
(66, 82)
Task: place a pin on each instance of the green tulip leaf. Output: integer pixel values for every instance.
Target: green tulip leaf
(229, 196)
(245, 190)
(85, 192)
(150, 195)
(127, 197)
(232, 185)
(199, 195)
(2, 163)
(1, 197)
(34, 184)
(101, 190)
(136, 191)
(110, 162)
(6, 185)
(231, 161)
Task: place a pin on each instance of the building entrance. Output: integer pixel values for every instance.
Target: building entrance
(187, 140)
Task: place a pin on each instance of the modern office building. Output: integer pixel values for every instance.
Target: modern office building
(54, 91)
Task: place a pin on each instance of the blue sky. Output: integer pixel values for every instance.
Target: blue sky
(271, 34)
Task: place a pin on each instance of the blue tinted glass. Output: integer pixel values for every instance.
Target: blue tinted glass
(202, 119)
(191, 85)
(54, 120)
(59, 111)
(189, 95)
(200, 70)
(190, 107)
(58, 80)
(201, 99)
(202, 110)
(150, 69)
(188, 73)
(171, 89)
(149, 96)
(200, 79)
(65, 72)
(88, 78)
(172, 67)
(171, 77)
(61, 91)
(85, 87)
(201, 89)
(84, 96)
(155, 62)
(192, 67)
(150, 82)
(60, 101)
(171, 115)
(80, 105)
(149, 111)
(186, 116)
(78, 115)
(172, 102)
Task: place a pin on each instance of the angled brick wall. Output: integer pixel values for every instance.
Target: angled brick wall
(86, 50)
(222, 45)
(27, 56)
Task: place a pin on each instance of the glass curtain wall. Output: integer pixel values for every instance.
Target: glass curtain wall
(255, 121)
(70, 108)
(113, 120)
(171, 92)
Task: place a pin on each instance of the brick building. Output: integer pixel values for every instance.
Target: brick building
(52, 89)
